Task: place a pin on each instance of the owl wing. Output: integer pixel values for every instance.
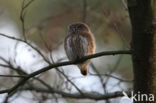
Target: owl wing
(67, 47)
(91, 42)
(76, 46)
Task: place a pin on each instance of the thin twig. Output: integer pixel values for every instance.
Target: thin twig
(23, 41)
(124, 2)
(3, 59)
(66, 77)
(109, 75)
(16, 76)
(70, 81)
(26, 5)
(101, 80)
(22, 15)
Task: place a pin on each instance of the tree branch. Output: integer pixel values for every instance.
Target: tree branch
(106, 53)
(109, 75)
(4, 91)
(16, 76)
(29, 44)
(86, 95)
(22, 15)
(24, 79)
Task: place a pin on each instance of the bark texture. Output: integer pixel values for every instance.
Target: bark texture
(143, 45)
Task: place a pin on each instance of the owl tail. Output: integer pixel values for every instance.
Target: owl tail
(83, 69)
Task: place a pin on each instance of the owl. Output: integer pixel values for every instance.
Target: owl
(78, 43)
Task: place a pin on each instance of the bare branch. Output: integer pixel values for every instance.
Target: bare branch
(3, 59)
(109, 75)
(22, 15)
(66, 77)
(124, 2)
(55, 65)
(22, 81)
(101, 80)
(70, 81)
(86, 95)
(33, 47)
(16, 76)
(106, 53)
(26, 5)
(4, 65)
(4, 91)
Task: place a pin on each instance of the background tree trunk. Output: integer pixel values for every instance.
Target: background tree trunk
(143, 45)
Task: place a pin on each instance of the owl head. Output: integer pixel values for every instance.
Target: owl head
(77, 28)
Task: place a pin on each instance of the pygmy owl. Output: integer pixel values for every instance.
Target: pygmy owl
(78, 43)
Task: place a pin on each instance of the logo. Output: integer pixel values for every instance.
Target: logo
(136, 97)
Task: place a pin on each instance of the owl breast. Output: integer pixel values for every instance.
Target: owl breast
(76, 46)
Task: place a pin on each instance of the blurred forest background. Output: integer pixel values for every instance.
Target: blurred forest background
(45, 27)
